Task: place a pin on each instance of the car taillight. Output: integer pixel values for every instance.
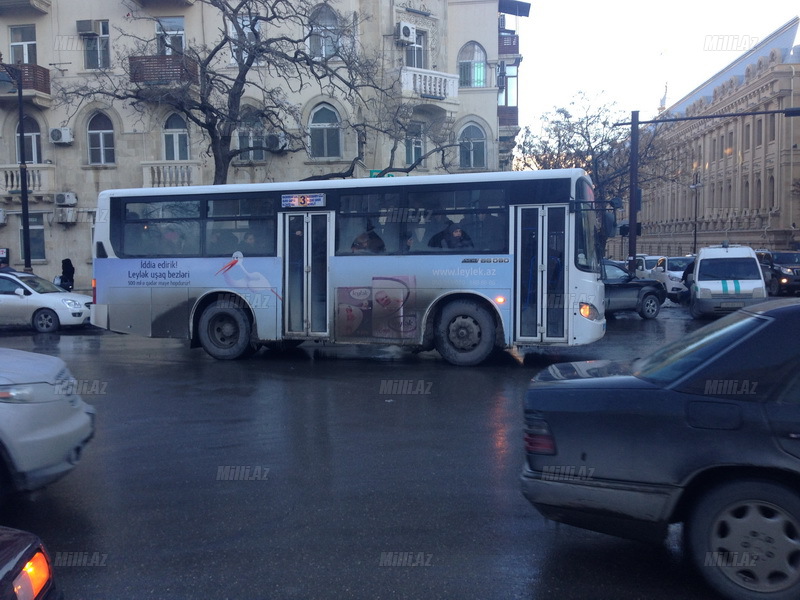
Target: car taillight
(94, 290)
(538, 437)
(33, 577)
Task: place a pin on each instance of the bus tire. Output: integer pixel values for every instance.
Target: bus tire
(224, 331)
(465, 333)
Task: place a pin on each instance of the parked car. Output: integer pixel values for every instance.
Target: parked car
(44, 423)
(26, 572)
(725, 279)
(704, 431)
(669, 271)
(784, 268)
(626, 292)
(27, 299)
(644, 264)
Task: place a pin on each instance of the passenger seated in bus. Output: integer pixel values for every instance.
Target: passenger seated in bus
(368, 242)
(452, 237)
(250, 245)
(222, 242)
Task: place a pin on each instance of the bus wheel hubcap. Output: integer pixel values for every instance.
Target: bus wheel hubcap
(465, 333)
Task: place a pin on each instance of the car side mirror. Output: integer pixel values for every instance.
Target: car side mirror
(19, 292)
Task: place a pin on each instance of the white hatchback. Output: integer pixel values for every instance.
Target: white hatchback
(44, 424)
(27, 299)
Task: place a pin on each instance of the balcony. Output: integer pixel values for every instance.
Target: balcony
(162, 70)
(170, 173)
(429, 85)
(508, 45)
(163, 2)
(24, 6)
(41, 183)
(508, 116)
(35, 86)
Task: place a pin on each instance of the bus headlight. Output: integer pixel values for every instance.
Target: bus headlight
(588, 311)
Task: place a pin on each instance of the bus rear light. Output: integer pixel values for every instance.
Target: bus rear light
(588, 311)
(94, 290)
(500, 300)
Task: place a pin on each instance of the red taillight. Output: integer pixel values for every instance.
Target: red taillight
(538, 438)
(94, 290)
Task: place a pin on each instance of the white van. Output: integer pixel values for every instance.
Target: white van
(725, 279)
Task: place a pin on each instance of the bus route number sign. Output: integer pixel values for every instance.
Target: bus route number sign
(302, 200)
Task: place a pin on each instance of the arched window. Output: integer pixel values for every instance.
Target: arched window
(33, 141)
(101, 140)
(324, 37)
(472, 65)
(473, 147)
(325, 132)
(176, 138)
(251, 135)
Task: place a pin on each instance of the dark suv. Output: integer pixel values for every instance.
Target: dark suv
(784, 266)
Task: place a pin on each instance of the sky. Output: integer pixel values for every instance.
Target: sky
(625, 52)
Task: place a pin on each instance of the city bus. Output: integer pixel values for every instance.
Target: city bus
(463, 264)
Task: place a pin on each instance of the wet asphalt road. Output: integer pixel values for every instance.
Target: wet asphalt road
(347, 472)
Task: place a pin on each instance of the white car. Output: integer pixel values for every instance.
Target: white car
(669, 271)
(27, 299)
(645, 264)
(44, 424)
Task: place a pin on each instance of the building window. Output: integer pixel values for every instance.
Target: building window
(97, 49)
(170, 34)
(244, 38)
(33, 141)
(759, 132)
(36, 230)
(101, 140)
(415, 144)
(771, 128)
(415, 53)
(176, 138)
(325, 132)
(324, 35)
(23, 44)
(251, 135)
(507, 82)
(472, 66)
(472, 142)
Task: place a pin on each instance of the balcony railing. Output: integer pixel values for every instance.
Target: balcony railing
(170, 173)
(10, 6)
(508, 44)
(41, 181)
(433, 85)
(35, 85)
(508, 116)
(162, 69)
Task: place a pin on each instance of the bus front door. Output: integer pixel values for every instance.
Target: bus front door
(305, 297)
(541, 273)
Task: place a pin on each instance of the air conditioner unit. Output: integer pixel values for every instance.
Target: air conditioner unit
(61, 135)
(276, 141)
(88, 27)
(66, 199)
(66, 215)
(405, 34)
(3, 216)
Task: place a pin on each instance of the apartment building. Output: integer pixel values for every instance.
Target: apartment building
(453, 66)
(734, 178)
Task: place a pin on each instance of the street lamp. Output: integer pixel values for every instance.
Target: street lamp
(695, 186)
(10, 82)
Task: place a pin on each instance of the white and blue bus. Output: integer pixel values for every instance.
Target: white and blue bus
(464, 264)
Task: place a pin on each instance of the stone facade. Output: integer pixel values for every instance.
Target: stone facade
(57, 43)
(734, 178)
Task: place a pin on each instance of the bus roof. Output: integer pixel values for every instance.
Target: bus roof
(325, 184)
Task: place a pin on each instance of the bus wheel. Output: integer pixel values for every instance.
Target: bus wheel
(465, 333)
(224, 331)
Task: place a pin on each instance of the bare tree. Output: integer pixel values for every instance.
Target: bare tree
(269, 50)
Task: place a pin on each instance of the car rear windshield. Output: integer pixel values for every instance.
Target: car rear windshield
(719, 269)
(680, 358)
